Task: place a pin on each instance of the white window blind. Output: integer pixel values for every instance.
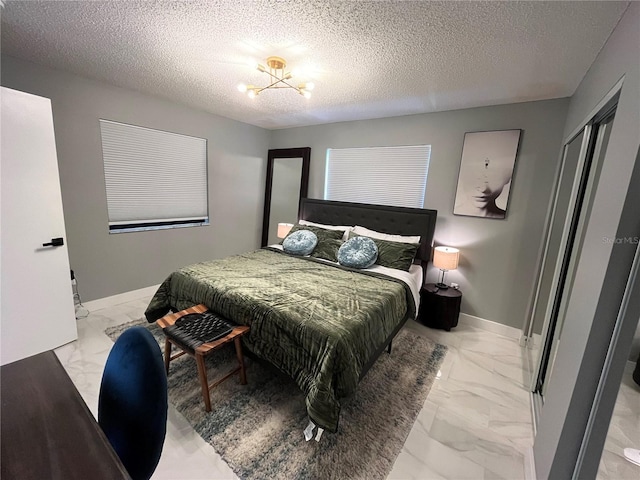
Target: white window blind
(154, 179)
(394, 176)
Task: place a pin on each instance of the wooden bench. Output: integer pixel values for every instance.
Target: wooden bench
(203, 350)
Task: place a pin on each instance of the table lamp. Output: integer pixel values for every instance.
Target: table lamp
(445, 258)
(284, 229)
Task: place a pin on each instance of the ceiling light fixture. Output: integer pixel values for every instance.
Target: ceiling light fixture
(279, 79)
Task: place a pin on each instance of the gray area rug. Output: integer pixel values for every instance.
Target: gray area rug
(257, 428)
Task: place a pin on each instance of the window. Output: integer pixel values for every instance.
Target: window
(154, 179)
(379, 175)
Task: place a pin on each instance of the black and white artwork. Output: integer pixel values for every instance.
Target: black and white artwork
(486, 168)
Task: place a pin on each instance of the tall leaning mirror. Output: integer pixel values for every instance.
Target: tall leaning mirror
(287, 184)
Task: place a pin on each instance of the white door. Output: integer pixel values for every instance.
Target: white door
(36, 301)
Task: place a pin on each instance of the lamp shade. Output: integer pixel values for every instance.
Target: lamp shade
(283, 229)
(446, 258)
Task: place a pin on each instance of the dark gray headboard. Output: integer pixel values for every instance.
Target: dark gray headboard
(382, 218)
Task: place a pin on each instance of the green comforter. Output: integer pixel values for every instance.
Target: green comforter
(318, 323)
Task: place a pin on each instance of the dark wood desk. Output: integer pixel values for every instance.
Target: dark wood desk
(47, 430)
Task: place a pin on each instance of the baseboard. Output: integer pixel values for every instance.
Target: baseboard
(535, 400)
(529, 465)
(114, 300)
(490, 326)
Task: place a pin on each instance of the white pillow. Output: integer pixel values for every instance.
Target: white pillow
(344, 228)
(385, 236)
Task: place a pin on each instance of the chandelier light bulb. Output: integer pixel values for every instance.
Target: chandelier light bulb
(306, 86)
(306, 94)
(242, 88)
(252, 94)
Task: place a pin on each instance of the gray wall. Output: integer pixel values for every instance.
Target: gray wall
(108, 264)
(601, 272)
(634, 353)
(498, 257)
(496, 254)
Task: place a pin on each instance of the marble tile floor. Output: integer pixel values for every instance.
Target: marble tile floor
(475, 423)
(624, 432)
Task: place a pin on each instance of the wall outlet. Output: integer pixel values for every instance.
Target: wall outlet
(454, 285)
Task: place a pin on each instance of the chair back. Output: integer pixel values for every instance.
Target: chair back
(132, 406)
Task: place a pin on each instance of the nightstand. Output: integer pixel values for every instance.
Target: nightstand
(439, 308)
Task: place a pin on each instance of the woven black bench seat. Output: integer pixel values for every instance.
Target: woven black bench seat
(194, 329)
(199, 332)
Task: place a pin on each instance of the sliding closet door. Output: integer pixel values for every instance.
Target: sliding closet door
(574, 195)
(559, 214)
(557, 245)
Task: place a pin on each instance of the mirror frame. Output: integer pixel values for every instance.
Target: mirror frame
(305, 154)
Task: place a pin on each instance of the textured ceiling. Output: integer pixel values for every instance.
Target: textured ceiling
(367, 59)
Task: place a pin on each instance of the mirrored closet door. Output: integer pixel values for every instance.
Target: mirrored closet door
(574, 192)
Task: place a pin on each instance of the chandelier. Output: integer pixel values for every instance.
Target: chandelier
(279, 79)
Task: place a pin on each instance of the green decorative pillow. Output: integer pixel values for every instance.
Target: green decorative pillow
(321, 233)
(396, 255)
(327, 249)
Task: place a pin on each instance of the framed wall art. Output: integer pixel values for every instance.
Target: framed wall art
(486, 168)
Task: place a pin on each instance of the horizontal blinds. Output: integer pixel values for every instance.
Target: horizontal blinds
(153, 176)
(394, 176)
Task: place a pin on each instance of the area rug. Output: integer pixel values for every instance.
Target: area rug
(257, 428)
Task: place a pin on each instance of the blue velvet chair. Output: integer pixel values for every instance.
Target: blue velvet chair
(132, 407)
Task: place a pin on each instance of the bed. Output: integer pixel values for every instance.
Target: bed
(322, 324)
